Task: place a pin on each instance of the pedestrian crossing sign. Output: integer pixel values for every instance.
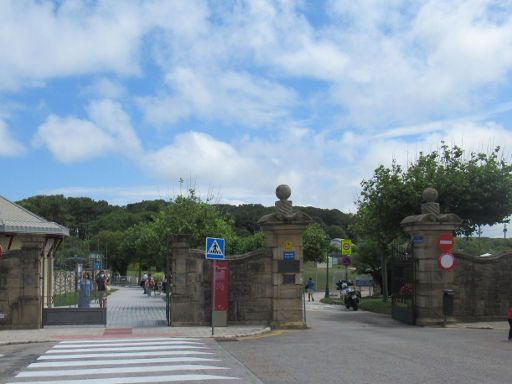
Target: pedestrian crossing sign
(214, 248)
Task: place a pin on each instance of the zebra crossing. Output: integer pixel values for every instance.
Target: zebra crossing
(128, 361)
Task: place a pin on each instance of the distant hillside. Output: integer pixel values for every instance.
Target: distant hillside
(86, 218)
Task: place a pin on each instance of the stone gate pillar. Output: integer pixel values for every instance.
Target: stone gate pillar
(188, 298)
(284, 230)
(424, 230)
(24, 282)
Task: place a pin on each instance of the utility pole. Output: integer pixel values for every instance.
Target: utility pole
(505, 230)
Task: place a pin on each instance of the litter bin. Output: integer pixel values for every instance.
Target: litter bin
(447, 303)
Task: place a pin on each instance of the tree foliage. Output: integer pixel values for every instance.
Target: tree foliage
(315, 243)
(477, 187)
(140, 232)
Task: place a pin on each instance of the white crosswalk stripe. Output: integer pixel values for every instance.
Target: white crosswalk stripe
(127, 361)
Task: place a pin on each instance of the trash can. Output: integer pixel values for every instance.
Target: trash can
(447, 302)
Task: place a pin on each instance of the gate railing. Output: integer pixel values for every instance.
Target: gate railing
(69, 305)
(403, 279)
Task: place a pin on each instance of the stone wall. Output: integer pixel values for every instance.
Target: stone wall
(482, 287)
(250, 286)
(20, 286)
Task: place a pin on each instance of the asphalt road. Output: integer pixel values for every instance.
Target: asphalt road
(342, 347)
(16, 356)
(346, 347)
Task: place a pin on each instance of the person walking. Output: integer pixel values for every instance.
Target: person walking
(101, 284)
(144, 281)
(150, 283)
(85, 291)
(310, 287)
(510, 324)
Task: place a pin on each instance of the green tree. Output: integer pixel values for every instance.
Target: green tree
(315, 243)
(476, 186)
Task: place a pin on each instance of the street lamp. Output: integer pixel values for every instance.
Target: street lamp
(327, 276)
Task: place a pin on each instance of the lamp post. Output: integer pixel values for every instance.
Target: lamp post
(327, 275)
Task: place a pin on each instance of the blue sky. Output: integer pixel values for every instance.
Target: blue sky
(119, 100)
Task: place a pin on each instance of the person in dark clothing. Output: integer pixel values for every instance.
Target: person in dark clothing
(510, 324)
(101, 284)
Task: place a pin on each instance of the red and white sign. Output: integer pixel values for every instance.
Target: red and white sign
(221, 276)
(445, 242)
(446, 261)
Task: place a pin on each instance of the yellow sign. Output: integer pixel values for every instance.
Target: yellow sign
(346, 247)
(288, 245)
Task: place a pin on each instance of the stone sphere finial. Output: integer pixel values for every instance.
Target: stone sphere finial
(430, 195)
(283, 192)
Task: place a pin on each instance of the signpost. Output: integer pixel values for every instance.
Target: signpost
(347, 262)
(346, 247)
(445, 242)
(215, 251)
(446, 261)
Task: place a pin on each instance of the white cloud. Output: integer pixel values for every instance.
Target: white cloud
(409, 62)
(8, 145)
(105, 88)
(71, 139)
(44, 40)
(249, 169)
(227, 96)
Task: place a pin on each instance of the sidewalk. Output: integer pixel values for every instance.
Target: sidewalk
(130, 313)
(482, 325)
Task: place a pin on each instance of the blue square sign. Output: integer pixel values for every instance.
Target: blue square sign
(215, 248)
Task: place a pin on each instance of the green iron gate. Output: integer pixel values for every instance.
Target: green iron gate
(403, 280)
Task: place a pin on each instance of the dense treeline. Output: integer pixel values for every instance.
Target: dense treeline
(137, 232)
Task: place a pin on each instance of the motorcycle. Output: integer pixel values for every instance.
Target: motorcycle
(351, 299)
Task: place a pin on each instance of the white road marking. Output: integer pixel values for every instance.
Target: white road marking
(127, 354)
(124, 370)
(135, 380)
(105, 340)
(132, 362)
(125, 349)
(141, 343)
(86, 363)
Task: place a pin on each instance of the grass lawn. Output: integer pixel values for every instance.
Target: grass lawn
(370, 304)
(71, 298)
(319, 276)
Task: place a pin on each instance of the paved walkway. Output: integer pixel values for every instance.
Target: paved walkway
(130, 308)
(130, 313)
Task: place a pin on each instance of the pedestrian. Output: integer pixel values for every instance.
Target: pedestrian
(85, 291)
(310, 287)
(510, 324)
(150, 283)
(101, 284)
(144, 282)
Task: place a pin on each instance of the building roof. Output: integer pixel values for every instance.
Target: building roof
(16, 219)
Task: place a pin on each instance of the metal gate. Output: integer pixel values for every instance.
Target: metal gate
(73, 301)
(403, 279)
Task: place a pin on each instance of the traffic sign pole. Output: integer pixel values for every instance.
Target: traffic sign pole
(213, 295)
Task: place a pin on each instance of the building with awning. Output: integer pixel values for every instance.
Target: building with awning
(27, 247)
